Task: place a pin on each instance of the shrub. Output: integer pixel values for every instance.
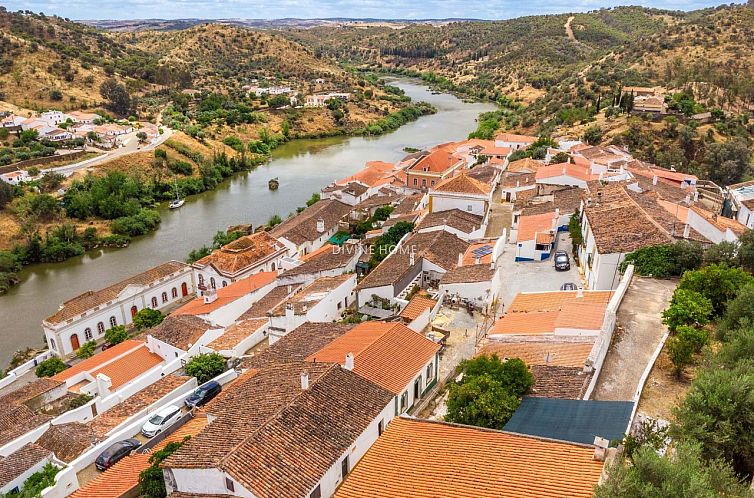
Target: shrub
(687, 307)
(141, 223)
(697, 338)
(116, 335)
(79, 401)
(50, 367)
(181, 167)
(86, 350)
(38, 481)
(151, 479)
(680, 352)
(205, 366)
(718, 283)
(739, 311)
(274, 220)
(148, 318)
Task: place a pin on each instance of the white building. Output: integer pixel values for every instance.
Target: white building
(514, 141)
(311, 229)
(87, 316)
(54, 118)
(461, 192)
(15, 177)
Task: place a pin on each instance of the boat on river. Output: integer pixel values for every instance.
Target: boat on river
(273, 184)
(178, 201)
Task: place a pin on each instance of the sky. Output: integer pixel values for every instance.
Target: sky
(309, 9)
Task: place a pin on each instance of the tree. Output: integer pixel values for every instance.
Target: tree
(560, 157)
(205, 366)
(51, 181)
(142, 136)
(86, 350)
(718, 413)
(6, 194)
(682, 347)
(724, 253)
(148, 318)
(728, 162)
(682, 473)
(592, 135)
(116, 335)
(739, 311)
(718, 283)
(687, 307)
(50, 367)
(118, 99)
(746, 250)
(151, 479)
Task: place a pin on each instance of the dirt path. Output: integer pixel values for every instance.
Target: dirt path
(639, 333)
(569, 29)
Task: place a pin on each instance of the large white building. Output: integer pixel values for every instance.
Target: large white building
(86, 317)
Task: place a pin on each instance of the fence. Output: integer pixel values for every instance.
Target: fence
(20, 370)
(41, 161)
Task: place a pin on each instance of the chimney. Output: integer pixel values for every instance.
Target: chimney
(564, 171)
(654, 180)
(477, 260)
(600, 448)
(696, 195)
(548, 358)
(349, 361)
(579, 293)
(686, 230)
(304, 381)
(321, 225)
(210, 295)
(688, 199)
(103, 385)
(289, 317)
(411, 258)
(460, 259)
(518, 183)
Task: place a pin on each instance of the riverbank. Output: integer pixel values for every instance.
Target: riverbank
(301, 166)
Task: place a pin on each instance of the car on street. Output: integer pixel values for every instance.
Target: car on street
(569, 286)
(203, 394)
(116, 452)
(161, 420)
(562, 261)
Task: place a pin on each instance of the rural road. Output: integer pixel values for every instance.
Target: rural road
(569, 29)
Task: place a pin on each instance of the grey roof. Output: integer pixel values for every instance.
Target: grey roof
(575, 420)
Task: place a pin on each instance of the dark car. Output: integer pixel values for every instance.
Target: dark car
(562, 261)
(115, 452)
(203, 394)
(569, 286)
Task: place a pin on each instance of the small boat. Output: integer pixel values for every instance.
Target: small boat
(177, 202)
(273, 184)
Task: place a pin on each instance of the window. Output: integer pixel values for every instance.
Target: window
(134, 310)
(174, 292)
(201, 279)
(317, 493)
(113, 322)
(424, 183)
(340, 305)
(404, 401)
(469, 207)
(164, 297)
(212, 283)
(432, 183)
(273, 266)
(52, 345)
(225, 283)
(381, 427)
(416, 182)
(344, 467)
(229, 484)
(430, 371)
(154, 303)
(87, 334)
(100, 328)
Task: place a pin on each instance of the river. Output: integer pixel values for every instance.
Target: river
(302, 167)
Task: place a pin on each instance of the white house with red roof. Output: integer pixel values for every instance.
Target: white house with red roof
(461, 192)
(536, 236)
(514, 141)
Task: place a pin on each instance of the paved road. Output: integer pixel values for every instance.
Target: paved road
(131, 146)
(639, 332)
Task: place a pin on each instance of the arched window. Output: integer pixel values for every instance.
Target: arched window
(225, 284)
(113, 322)
(100, 328)
(134, 310)
(184, 289)
(201, 279)
(52, 344)
(154, 302)
(165, 297)
(88, 334)
(212, 282)
(75, 345)
(174, 292)
(273, 266)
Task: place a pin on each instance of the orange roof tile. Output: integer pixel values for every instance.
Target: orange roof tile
(470, 259)
(565, 169)
(554, 301)
(462, 184)
(375, 173)
(99, 359)
(720, 222)
(530, 226)
(561, 354)
(439, 160)
(129, 366)
(190, 429)
(242, 253)
(236, 333)
(388, 354)
(416, 307)
(680, 212)
(424, 459)
(117, 480)
(524, 165)
(226, 295)
(537, 322)
(513, 137)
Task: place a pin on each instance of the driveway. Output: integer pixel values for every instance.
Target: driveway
(636, 338)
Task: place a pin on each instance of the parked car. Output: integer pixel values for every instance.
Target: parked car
(161, 420)
(115, 452)
(203, 394)
(562, 261)
(569, 286)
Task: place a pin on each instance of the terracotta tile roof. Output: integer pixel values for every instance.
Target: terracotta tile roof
(519, 180)
(525, 165)
(29, 391)
(650, 171)
(236, 333)
(530, 226)
(189, 429)
(298, 344)
(227, 295)
(568, 200)
(559, 382)
(16, 420)
(424, 459)
(407, 205)
(310, 295)
(485, 173)
(559, 354)
(409, 218)
(720, 222)
(303, 227)
(375, 173)
(91, 299)
(379, 200)
(100, 359)
(180, 331)
(462, 184)
(440, 247)
(261, 308)
(68, 441)
(329, 258)
(388, 354)
(513, 137)
(554, 301)
(416, 307)
(262, 447)
(437, 161)
(454, 218)
(469, 258)
(468, 274)
(129, 366)
(242, 254)
(565, 169)
(21, 460)
(536, 322)
(116, 481)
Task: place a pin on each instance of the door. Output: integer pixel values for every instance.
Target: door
(184, 289)
(417, 388)
(75, 342)
(134, 310)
